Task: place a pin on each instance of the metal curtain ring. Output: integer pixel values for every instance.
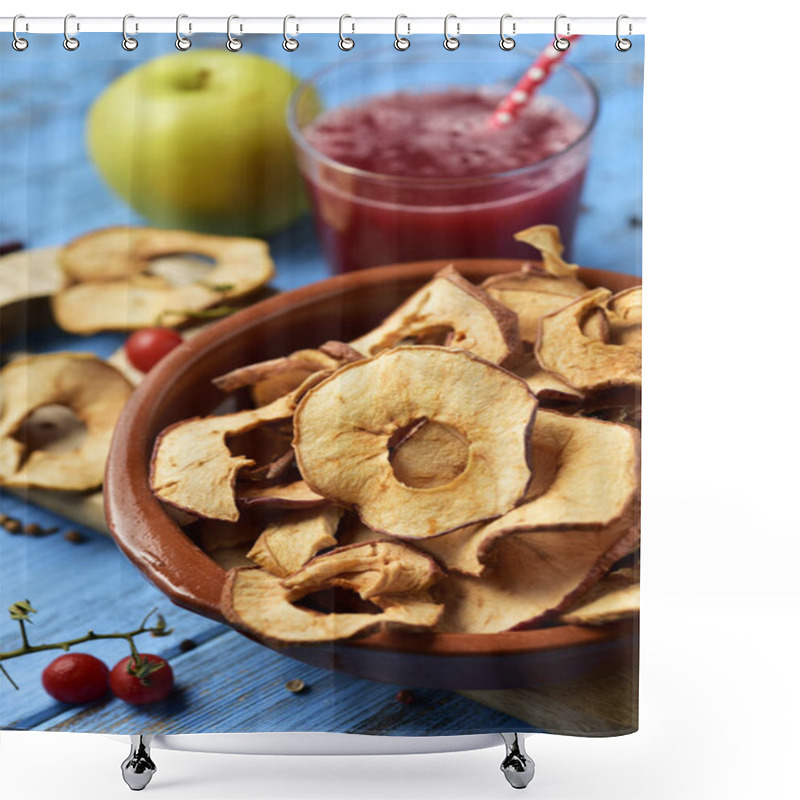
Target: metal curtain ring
(345, 42)
(623, 45)
(233, 44)
(19, 44)
(128, 42)
(451, 42)
(181, 42)
(560, 43)
(400, 42)
(507, 42)
(70, 42)
(289, 43)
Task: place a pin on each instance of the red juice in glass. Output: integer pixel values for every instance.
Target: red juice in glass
(413, 175)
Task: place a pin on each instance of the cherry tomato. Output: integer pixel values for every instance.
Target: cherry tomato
(76, 678)
(148, 682)
(146, 347)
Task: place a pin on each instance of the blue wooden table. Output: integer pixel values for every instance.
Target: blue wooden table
(49, 193)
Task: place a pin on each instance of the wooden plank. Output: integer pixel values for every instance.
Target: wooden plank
(231, 684)
(82, 508)
(74, 587)
(597, 706)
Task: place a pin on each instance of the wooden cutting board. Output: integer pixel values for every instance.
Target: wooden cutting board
(600, 705)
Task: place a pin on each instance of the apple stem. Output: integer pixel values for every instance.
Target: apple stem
(195, 82)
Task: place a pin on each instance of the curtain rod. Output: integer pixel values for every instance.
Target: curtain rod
(351, 25)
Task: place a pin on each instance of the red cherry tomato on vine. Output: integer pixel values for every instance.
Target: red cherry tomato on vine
(149, 681)
(76, 678)
(148, 346)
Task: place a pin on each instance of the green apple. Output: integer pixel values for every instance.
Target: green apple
(198, 140)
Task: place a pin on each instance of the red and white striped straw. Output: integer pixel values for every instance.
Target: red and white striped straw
(510, 106)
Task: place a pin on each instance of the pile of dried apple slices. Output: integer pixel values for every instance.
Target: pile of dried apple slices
(58, 410)
(470, 465)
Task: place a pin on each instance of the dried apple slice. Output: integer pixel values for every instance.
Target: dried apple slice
(280, 470)
(92, 389)
(626, 306)
(275, 377)
(596, 326)
(305, 362)
(353, 531)
(341, 351)
(614, 598)
(108, 287)
(371, 570)
(533, 278)
(533, 577)
(192, 467)
(291, 495)
(535, 292)
(530, 307)
(293, 539)
(545, 385)
(264, 605)
(625, 317)
(257, 602)
(285, 373)
(547, 240)
(343, 428)
(586, 475)
(449, 302)
(584, 362)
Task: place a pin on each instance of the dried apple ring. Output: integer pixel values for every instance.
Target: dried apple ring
(108, 288)
(449, 303)
(343, 428)
(192, 467)
(533, 578)
(290, 495)
(615, 597)
(585, 362)
(586, 477)
(91, 388)
(289, 542)
(392, 576)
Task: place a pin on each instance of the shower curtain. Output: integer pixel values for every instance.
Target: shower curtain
(357, 330)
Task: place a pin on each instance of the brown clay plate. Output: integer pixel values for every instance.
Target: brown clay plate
(342, 308)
